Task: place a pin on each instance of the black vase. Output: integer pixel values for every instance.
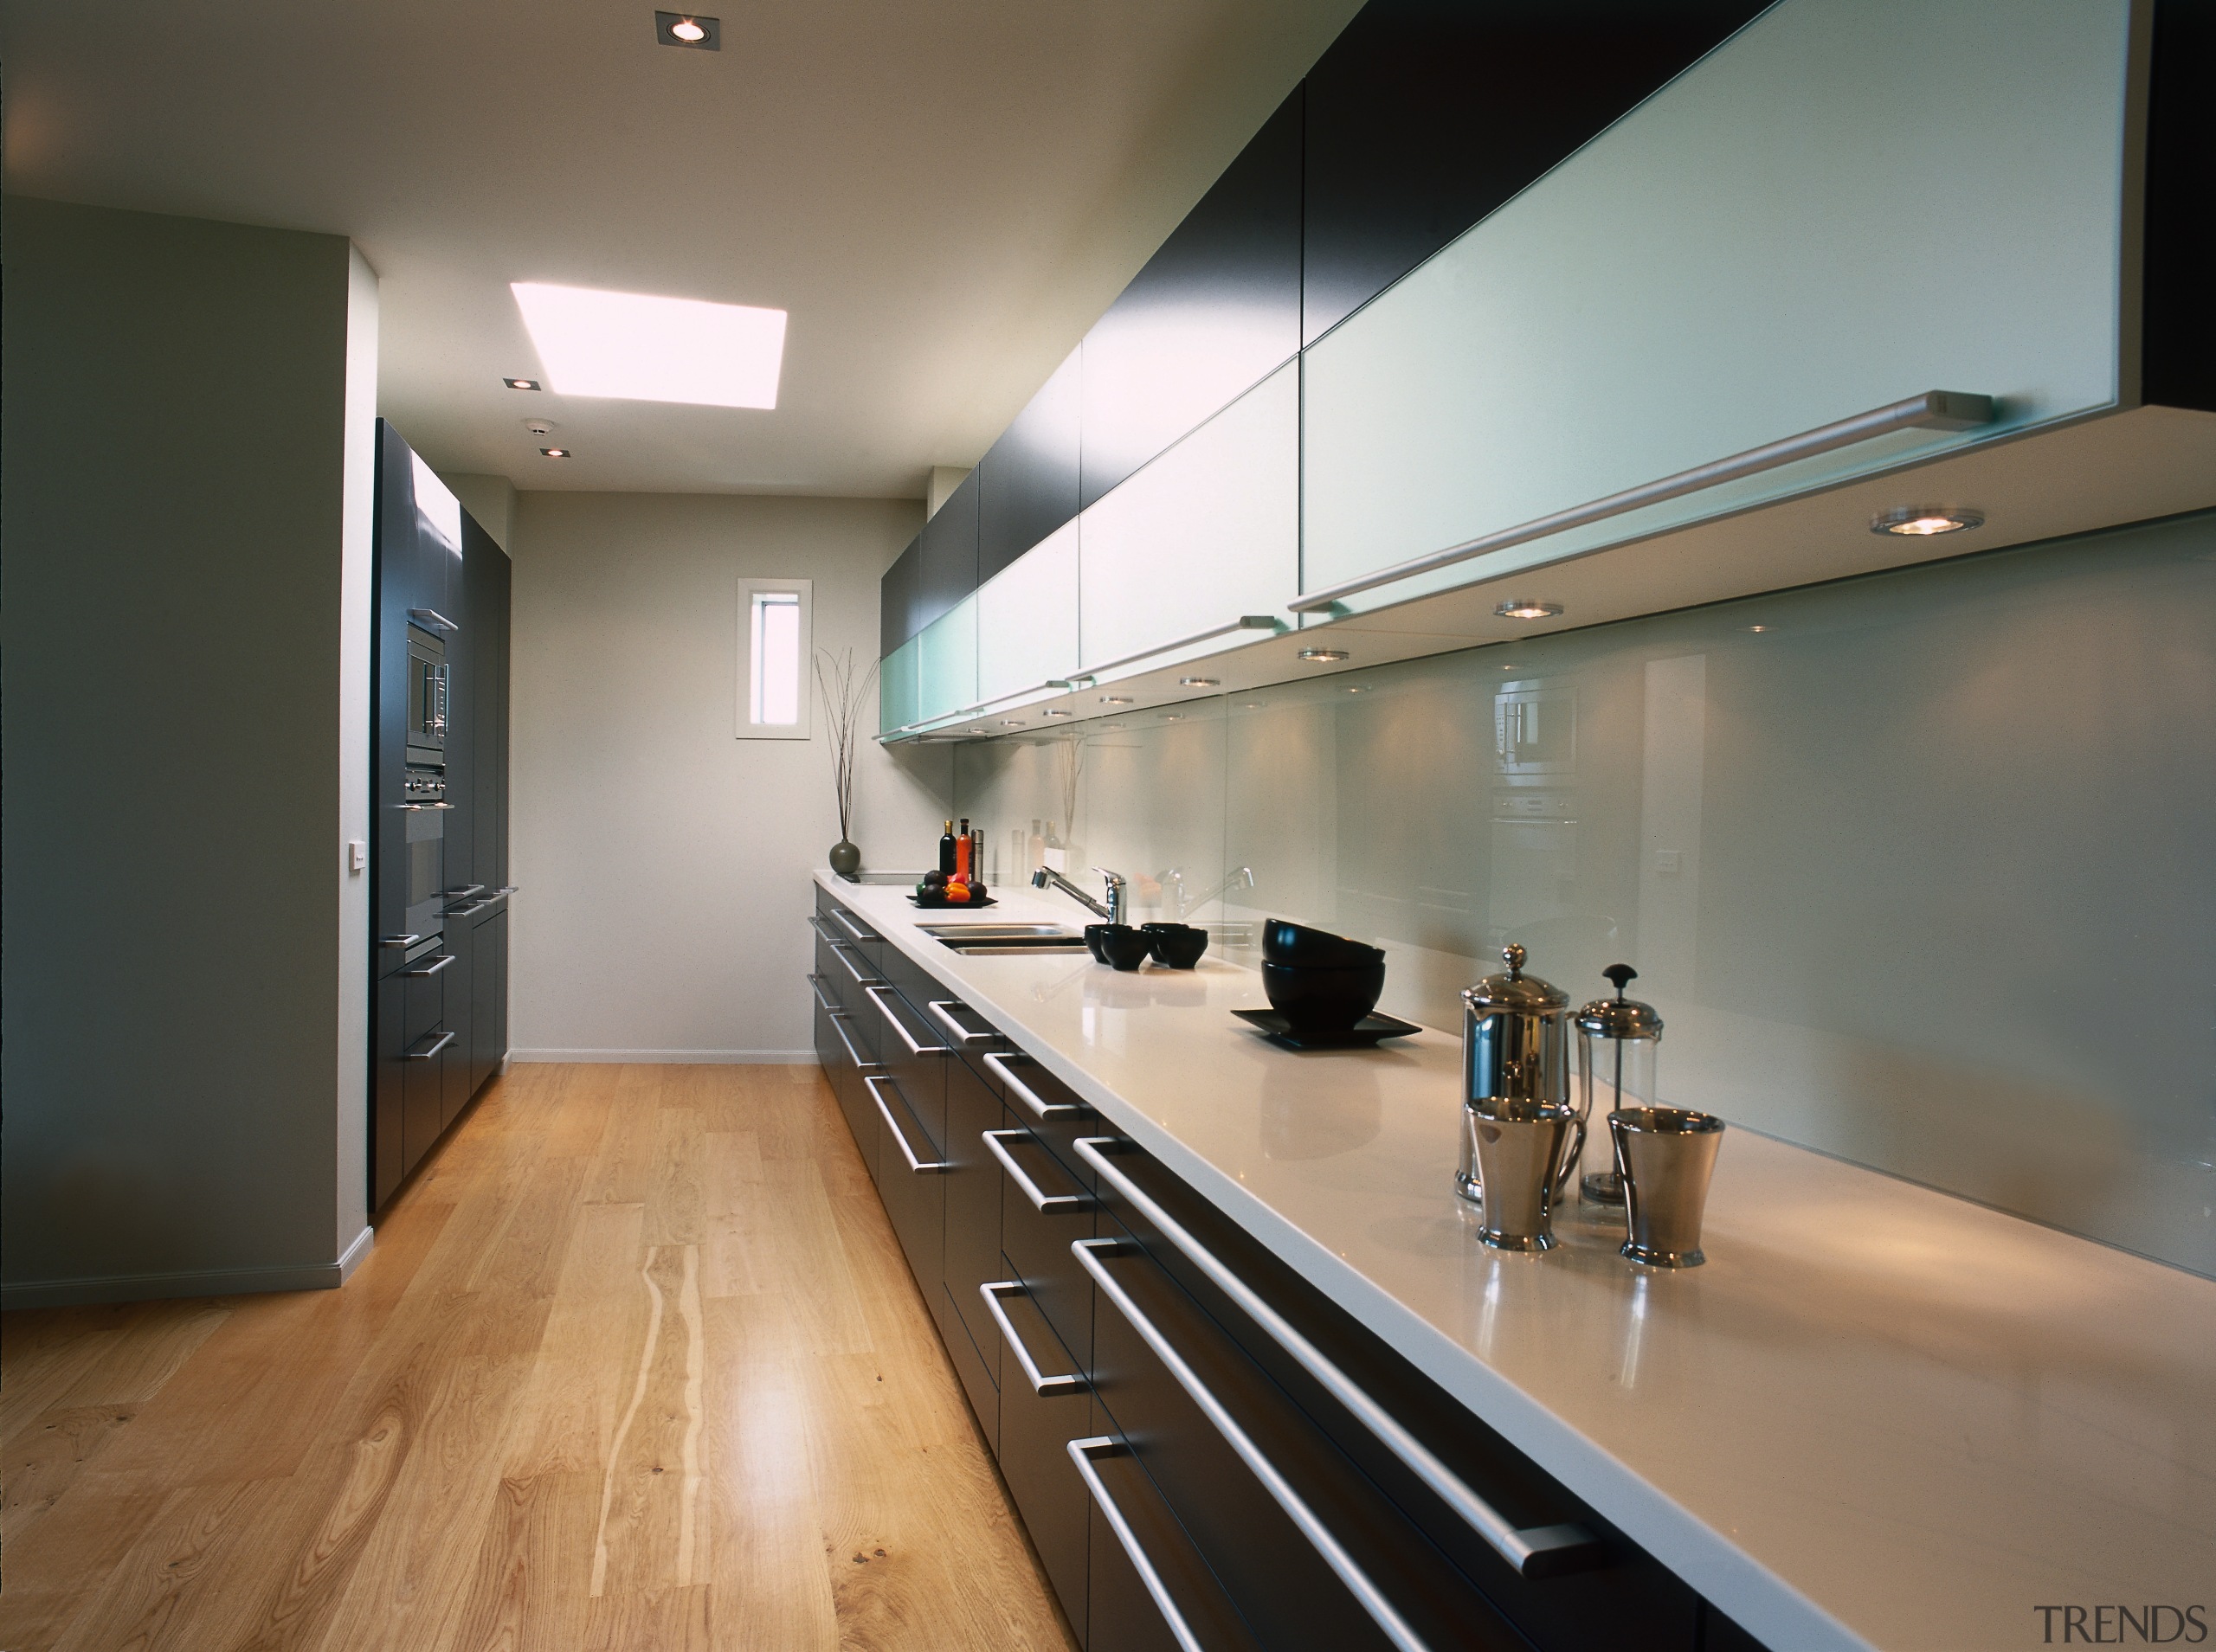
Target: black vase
(846, 858)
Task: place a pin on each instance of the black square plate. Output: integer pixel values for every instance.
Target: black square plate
(943, 905)
(1363, 1035)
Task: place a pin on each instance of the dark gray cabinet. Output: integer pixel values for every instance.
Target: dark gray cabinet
(947, 571)
(438, 859)
(900, 601)
(1028, 481)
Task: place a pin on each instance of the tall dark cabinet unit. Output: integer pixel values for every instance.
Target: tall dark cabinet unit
(439, 832)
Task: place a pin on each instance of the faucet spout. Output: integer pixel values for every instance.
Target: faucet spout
(1110, 910)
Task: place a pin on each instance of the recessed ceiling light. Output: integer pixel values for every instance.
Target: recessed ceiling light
(1920, 521)
(522, 384)
(636, 347)
(1524, 607)
(684, 29)
(1322, 656)
(1199, 682)
(554, 453)
(1115, 699)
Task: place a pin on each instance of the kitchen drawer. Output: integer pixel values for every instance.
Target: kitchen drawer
(849, 930)
(1050, 1110)
(426, 996)
(910, 1179)
(1271, 1571)
(844, 964)
(422, 1085)
(975, 1363)
(1044, 1404)
(1037, 1240)
(1309, 1373)
(973, 1197)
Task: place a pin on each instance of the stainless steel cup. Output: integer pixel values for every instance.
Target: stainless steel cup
(1519, 1149)
(1665, 1155)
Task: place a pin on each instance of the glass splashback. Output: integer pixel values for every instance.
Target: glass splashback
(1920, 869)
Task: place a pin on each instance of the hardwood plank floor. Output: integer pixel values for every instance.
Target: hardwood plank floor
(636, 1366)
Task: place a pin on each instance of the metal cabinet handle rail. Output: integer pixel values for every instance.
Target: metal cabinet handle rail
(1933, 410)
(1044, 1203)
(465, 892)
(419, 808)
(1072, 1383)
(1045, 1109)
(432, 620)
(399, 941)
(815, 985)
(939, 1006)
(847, 924)
(1532, 1550)
(419, 971)
(1082, 1452)
(1244, 622)
(921, 1166)
(1320, 1536)
(839, 1019)
(445, 1038)
(878, 995)
(839, 950)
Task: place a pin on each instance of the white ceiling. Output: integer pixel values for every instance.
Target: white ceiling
(944, 196)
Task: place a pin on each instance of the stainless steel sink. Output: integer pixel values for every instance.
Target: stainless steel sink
(989, 940)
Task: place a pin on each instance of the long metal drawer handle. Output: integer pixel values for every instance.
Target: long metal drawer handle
(1933, 410)
(1532, 1550)
(399, 941)
(921, 1166)
(839, 950)
(939, 1006)
(1045, 1109)
(1245, 622)
(847, 924)
(418, 808)
(1072, 1383)
(1044, 1203)
(839, 1019)
(878, 995)
(444, 959)
(815, 985)
(445, 1038)
(1082, 1452)
(1371, 1598)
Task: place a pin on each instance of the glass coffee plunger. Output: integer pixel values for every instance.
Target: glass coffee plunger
(1617, 1038)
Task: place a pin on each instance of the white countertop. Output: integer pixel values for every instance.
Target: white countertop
(1878, 1417)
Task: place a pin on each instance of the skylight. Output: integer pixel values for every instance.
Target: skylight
(641, 348)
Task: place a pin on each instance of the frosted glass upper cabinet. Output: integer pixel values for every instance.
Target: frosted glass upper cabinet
(1205, 534)
(947, 667)
(1027, 619)
(1847, 204)
(899, 688)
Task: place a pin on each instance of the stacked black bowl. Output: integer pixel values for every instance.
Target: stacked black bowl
(1320, 982)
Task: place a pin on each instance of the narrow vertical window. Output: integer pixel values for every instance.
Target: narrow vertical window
(773, 646)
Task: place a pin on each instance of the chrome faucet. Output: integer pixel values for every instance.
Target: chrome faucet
(1112, 911)
(1243, 878)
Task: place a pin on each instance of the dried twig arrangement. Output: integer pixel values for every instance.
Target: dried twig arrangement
(843, 699)
(1072, 746)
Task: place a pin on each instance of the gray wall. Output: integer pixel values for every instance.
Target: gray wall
(1916, 867)
(184, 610)
(662, 862)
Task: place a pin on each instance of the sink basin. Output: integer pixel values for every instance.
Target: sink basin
(999, 931)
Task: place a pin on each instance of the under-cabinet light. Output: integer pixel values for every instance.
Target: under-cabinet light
(1322, 656)
(1524, 607)
(638, 347)
(1115, 699)
(1920, 521)
(1200, 682)
(1053, 712)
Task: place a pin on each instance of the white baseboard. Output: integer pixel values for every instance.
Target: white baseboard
(211, 1281)
(647, 1057)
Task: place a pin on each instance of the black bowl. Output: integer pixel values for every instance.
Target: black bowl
(1286, 942)
(1323, 999)
(1118, 945)
(1178, 945)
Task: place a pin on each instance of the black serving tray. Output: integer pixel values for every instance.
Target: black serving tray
(945, 905)
(1363, 1035)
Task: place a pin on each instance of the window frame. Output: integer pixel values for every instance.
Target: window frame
(746, 729)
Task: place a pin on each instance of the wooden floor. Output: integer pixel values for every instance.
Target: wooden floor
(635, 1364)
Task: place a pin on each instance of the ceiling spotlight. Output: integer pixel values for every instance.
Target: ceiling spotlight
(1115, 699)
(1199, 682)
(554, 453)
(522, 384)
(1322, 656)
(1921, 521)
(683, 29)
(1523, 607)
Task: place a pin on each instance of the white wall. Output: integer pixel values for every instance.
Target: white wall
(662, 863)
(184, 619)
